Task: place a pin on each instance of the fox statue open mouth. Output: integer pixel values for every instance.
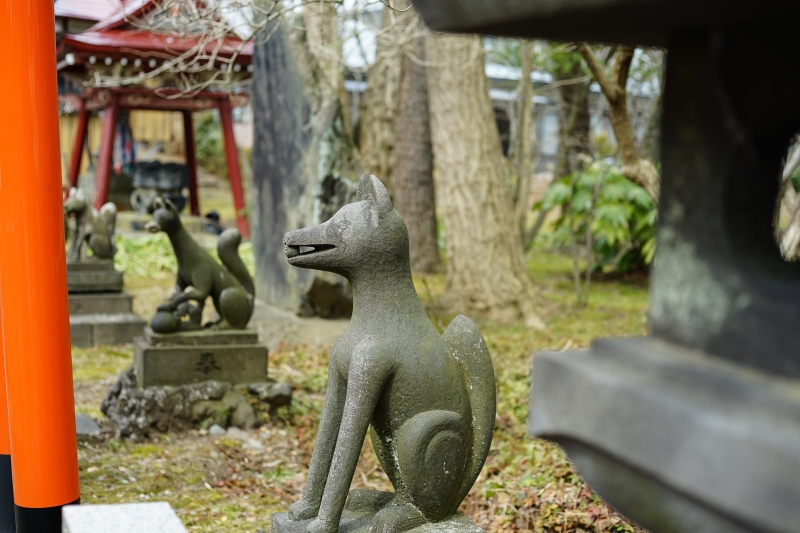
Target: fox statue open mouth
(427, 399)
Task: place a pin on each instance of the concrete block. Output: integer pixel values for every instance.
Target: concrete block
(86, 427)
(156, 517)
(201, 337)
(93, 276)
(158, 366)
(100, 303)
(105, 329)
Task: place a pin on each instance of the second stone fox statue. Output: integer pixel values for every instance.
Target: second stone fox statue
(427, 399)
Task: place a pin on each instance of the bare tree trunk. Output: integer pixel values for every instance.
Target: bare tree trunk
(521, 152)
(574, 119)
(639, 171)
(376, 135)
(413, 190)
(486, 271)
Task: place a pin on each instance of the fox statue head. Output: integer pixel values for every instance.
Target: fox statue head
(364, 237)
(165, 216)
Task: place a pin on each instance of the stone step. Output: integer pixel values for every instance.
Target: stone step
(151, 517)
(201, 337)
(100, 303)
(104, 329)
(93, 276)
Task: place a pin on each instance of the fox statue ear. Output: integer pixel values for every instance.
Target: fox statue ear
(371, 189)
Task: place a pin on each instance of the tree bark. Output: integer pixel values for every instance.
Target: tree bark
(574, 119)
(521, 152)
(413, 190)
(376, 132)
(305, 163)
(639, 171)
(486, 271)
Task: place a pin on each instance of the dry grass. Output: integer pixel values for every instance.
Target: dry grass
(217, 485)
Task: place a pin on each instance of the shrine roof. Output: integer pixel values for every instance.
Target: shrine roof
(646, 22)
(86, 9)
(132, 41)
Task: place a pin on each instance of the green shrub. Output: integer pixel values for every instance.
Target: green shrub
(210, 144)
(620, 214)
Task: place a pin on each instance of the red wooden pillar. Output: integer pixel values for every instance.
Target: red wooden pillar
(234, 174)
(191, 162)
(33, 272)
(103, 175)
(77, 148)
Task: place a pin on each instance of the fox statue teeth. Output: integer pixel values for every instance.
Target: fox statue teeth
(427, 399)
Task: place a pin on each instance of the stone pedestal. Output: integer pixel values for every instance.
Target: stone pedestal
(155, 517)
(103, 319)
(233, 356)
(93, 276)
(354, 522)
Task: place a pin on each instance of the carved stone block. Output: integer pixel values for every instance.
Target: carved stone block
(93, 276)
(192, 357)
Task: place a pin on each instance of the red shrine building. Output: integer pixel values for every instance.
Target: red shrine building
(117, 56)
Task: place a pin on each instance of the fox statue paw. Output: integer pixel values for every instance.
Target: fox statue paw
(303, 510)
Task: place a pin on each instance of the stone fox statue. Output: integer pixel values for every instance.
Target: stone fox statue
(428, 399)
(91, 227)
(231, 287)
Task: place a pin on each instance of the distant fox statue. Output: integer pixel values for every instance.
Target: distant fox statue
(91, 227)
(428, 399)
(230, 287)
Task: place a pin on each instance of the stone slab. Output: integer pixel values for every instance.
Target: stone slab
(158, 366)
(673, 436)
(155, 517)
(101, 302)
(104, 329)
(86, 427)
(352, 522)
(93, 276)
(201, 337)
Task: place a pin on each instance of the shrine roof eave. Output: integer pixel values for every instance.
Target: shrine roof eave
(643, 22)
(162, 99)
(117, 42)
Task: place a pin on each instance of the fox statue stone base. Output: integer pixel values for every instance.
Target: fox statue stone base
(428, 400)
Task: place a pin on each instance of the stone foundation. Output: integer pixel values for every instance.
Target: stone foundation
(97, 275)
(103, 319)
(138, 413)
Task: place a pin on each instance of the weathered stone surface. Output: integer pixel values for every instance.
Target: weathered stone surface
(104, 329)
(427, 398)
(155, 517)
(201, 337)
(355, 522)
(100, 303)
(93, 276)
(86, 427)
(179, 365)
(137, 413)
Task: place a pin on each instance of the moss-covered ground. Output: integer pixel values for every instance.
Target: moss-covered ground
(218, 486)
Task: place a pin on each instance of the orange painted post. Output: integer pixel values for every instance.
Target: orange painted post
(33, 278)
(191, 162)
(103, 175)
(234, 174)
(7, 523)
(77, 148)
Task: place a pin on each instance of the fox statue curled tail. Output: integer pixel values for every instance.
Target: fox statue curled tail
(427, 399)
(92, 227)
(230, 287)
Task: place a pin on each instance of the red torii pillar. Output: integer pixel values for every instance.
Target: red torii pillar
(191, 162)
(80, 141)
(33, 274)
(234, 173)
(104, 160)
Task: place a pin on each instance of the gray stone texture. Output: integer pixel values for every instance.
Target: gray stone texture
(137, 413)
(183, 358)
(155, 517)
(103, 319)
(428, 399)
(93, 275)
(86, 427)
(355, 522)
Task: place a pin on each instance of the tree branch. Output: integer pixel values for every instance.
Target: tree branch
(609, 90)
